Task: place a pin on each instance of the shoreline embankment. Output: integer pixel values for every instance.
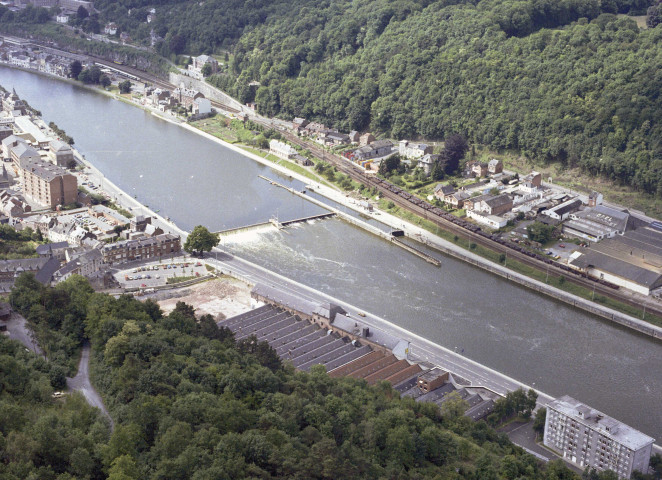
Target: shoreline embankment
(411, 230)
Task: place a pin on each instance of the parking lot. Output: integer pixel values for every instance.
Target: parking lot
(157, 274)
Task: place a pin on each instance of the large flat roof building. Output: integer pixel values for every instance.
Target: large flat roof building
(596, 223)
(632, 260)
(588, 438)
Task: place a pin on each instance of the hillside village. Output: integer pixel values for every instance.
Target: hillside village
(606, 242)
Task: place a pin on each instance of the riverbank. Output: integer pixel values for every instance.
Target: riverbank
(496, 323)
(449, 248)
(411, 230)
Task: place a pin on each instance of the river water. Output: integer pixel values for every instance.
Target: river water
(194, 181)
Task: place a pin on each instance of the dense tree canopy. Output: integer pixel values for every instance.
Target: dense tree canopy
(191, 403)
(562, 81)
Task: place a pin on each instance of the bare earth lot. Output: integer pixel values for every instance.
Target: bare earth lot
(226, 296)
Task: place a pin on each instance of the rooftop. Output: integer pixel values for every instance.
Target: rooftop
(45, 170)
(607, 216)
(608, 426)
(26, 125)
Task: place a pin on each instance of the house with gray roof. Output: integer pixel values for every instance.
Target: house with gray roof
(57, 250)
(440, 191)
(380, 148)
(23, 153)
(43, 269)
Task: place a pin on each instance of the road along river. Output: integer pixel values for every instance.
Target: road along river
(538, 341)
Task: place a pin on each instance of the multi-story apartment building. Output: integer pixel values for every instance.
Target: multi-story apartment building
(586, 437)
(48, 184)
(141, 248)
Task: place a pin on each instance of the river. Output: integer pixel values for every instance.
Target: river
(541, 342)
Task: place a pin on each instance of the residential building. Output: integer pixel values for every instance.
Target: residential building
(13, 205)
(299, 123)
(141, 249)
(496, 206)
(281, 149)
(86, 263)
(11, 103)
(535, 178)
(495, 166)
(186, 96)
(201, 106)
(61, 154)
(354, 136)
(314, 128)
(440, 191)
(42, 267)
(69, 232)
(366, 139)
(57, 250)
(471, 203)
(491, 221)
(479, 169)
(379, 148)
(48, 184)
(413, 150)
(337, 138)
(632, 260)
(62, 18)
(110, 28)
(8, 143)
(457, 199)
(587, 437)
(22, 154)
(5, 131)
(427, 161)
(202, 60)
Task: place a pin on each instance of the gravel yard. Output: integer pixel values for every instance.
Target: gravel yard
(224, 296)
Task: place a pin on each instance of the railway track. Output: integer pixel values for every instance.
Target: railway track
(420, 207)
(470, 231)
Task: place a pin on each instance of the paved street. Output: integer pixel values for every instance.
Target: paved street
(522, 434)
(81, 383)
(18, 330)
(420, 348)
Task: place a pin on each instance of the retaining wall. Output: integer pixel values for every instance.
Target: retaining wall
(204, 88)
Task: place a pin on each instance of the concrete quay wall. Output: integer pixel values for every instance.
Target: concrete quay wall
(587, 305)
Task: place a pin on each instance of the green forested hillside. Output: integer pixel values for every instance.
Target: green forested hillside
(564, 81)
(191, 403)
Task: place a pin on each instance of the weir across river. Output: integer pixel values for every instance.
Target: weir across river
(274, 222)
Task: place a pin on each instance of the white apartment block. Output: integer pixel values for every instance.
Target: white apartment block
(586, 437)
